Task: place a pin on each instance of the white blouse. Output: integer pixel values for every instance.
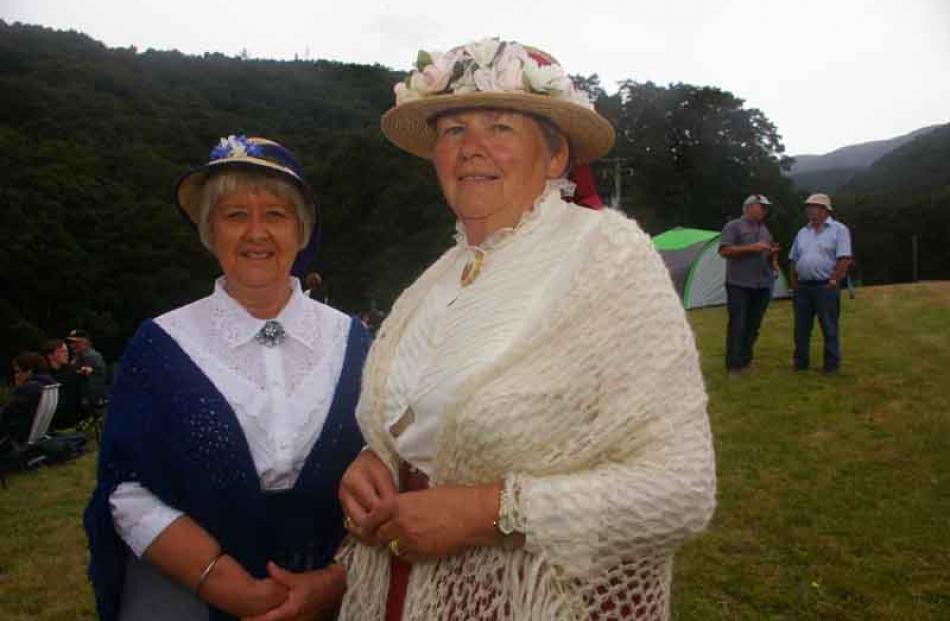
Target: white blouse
(433, 359)
(280, 395)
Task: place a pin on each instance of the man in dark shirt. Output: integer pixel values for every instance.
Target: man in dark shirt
(91, 365)
(68, 413)
(751, 266)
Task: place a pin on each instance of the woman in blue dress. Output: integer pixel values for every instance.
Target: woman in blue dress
(231, 421)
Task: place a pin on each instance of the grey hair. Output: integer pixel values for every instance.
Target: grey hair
(229, 180)
(553, 137)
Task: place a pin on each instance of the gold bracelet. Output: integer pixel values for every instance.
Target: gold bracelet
(207, 572)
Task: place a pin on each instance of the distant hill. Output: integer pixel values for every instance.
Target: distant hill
(920, 166)
(833, 170)
(903, 196)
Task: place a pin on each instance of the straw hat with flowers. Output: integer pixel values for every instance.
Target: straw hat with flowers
(493, 74)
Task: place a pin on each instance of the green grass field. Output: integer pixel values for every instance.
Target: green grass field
(834, 492)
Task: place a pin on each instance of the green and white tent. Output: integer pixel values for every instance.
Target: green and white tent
(698, 272)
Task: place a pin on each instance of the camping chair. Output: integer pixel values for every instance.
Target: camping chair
(26, 456)
(45, 408)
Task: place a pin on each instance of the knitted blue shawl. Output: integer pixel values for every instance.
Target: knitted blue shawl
(170, 429)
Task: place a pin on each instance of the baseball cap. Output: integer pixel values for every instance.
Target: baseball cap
(755, 199)
(77, 334)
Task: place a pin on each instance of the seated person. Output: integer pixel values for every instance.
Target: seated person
(67, 413)
(30, 375)
(91, 366)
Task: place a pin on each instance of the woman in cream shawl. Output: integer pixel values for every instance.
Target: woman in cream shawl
(535, 419)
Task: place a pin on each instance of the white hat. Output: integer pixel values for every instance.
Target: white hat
(822, 200)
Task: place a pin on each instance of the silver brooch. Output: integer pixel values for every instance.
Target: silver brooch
(271, 335)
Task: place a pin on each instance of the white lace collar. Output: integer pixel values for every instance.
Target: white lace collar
(237, 326)
(559, 187)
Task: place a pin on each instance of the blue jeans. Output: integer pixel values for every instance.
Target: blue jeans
(813, 297)
(746, 306)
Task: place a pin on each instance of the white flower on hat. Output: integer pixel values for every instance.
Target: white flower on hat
(548, 79)
(231, 146)
(483, 52)
(405, 94)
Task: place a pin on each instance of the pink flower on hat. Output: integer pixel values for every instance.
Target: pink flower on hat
(483, 52)
(433, 77)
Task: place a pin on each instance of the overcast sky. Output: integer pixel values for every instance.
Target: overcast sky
(826, 72)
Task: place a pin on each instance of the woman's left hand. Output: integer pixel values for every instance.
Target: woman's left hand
(311, 595)
(441, 521)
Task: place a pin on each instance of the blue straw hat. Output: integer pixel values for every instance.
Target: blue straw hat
(251, 153)
(241, 152)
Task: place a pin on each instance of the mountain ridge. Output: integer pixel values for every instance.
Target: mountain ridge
(833, 170)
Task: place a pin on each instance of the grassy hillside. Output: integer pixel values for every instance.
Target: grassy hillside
(833, 492)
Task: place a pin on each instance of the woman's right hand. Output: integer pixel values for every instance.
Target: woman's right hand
(368, 496)
(238, 593)
(262, 596)
(184, 550)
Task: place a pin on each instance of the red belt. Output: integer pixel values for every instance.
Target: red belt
(410, 480)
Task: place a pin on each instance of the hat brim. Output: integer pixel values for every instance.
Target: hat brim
(409, 125)
(188, 190)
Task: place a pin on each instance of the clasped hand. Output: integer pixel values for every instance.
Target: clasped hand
(309, 596)
(427, 524)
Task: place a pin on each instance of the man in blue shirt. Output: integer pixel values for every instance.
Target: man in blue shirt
(751, 266)
(820, 258)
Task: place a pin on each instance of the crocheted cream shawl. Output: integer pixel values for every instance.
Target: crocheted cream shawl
(598, 409)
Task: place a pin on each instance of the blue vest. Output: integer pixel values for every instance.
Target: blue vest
(170, 429)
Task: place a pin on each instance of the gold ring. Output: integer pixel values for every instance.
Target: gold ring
(347, 523)
(394, 547)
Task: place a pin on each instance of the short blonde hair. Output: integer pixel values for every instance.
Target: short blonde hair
(226, 181)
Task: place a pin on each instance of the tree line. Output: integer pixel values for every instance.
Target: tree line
(92, 140)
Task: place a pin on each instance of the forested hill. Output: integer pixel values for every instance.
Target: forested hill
(904, 194)
(93, 139)
(831, 171)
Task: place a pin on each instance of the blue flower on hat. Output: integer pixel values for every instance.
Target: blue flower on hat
(234, 146)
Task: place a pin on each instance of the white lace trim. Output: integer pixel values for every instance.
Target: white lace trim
(564, 187)
(281, 396)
